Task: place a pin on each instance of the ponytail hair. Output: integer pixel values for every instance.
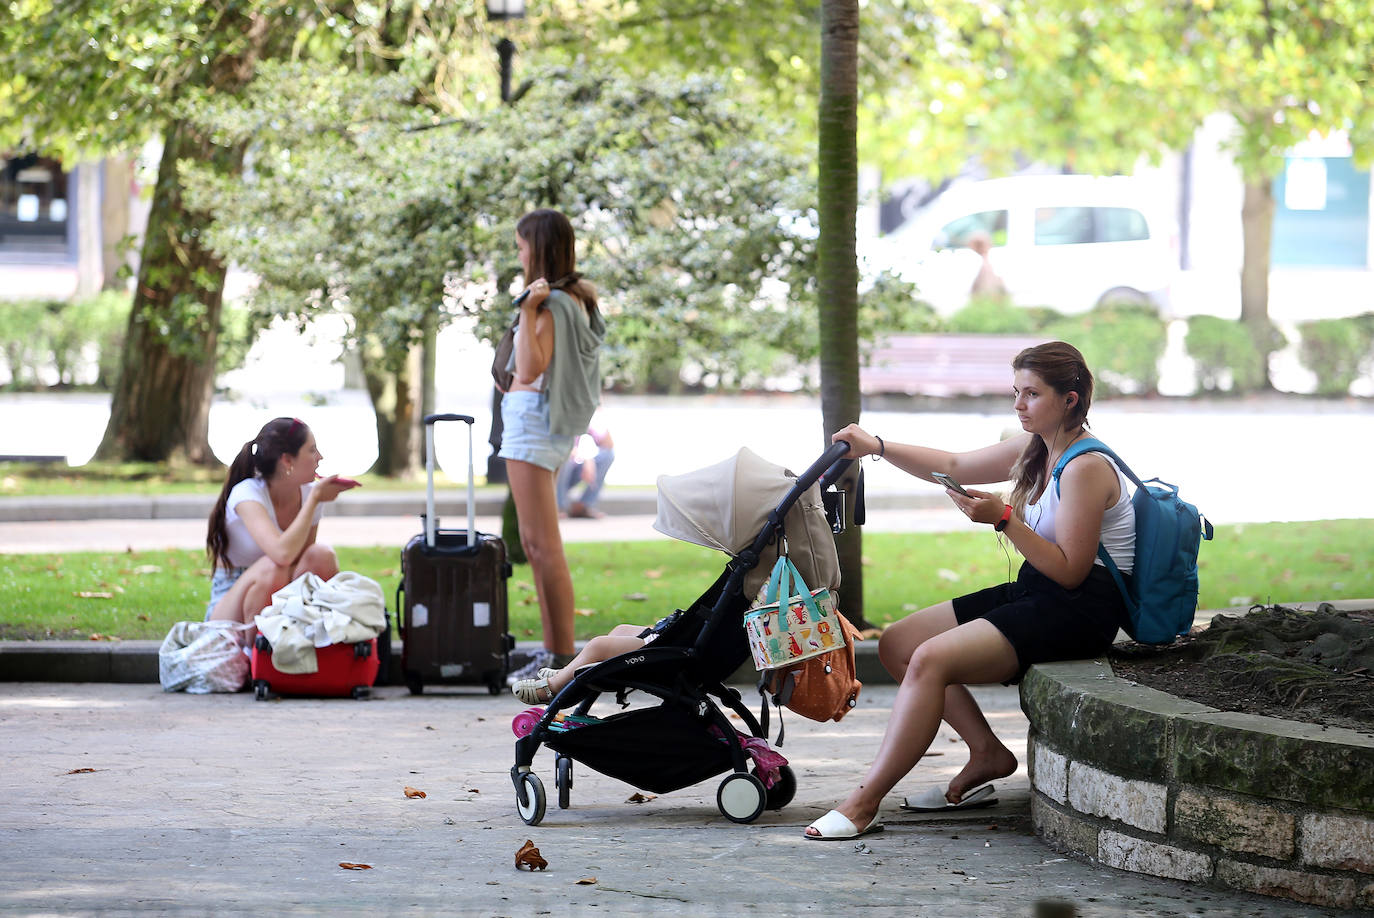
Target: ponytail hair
(1063, 369)
(258, 457)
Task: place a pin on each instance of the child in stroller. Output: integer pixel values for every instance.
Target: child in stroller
(549, 682)
(686, 737)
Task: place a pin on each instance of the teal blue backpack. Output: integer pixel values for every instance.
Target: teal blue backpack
(1162, 595)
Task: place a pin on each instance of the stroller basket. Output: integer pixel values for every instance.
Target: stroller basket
(659, 749)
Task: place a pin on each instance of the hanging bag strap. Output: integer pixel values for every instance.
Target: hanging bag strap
(1093, 445)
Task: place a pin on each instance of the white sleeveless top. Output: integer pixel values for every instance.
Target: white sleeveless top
(1118, 522)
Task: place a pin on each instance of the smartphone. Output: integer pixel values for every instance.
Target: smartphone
(950, 483)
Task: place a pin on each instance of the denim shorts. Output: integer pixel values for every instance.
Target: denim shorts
(220, 582)
(525, 432)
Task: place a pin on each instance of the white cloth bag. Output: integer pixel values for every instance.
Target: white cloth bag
(309, 612)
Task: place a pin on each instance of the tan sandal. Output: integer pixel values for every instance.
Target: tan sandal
(533, 691)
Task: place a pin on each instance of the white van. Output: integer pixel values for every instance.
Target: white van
(1064, 241)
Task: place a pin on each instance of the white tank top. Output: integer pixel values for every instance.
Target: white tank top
(1118, 522)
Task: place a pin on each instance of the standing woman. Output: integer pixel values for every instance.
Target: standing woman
(1063, 605)
(262, 531)
(556, 387)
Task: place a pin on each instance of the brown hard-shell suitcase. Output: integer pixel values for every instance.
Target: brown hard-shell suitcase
(454, 619)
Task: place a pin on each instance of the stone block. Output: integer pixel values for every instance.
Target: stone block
(1142, 804)
(1342, 842)
(1063, 830)
(1234, 823)
(1083, 711)
(1255, 756)
(134, 661)
(1313, 888)
(1049, 772)
(1126, 852)
(54, 661)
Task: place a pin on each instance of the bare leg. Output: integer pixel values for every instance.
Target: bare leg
(537, 509)
(622, 639)
(989, 758)
(973, 653)
(251, 592)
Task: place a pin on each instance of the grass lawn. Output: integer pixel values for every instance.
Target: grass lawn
(131, 595)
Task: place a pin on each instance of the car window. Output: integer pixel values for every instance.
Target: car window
(957, 233)
(1121, 224)
(1063, 225)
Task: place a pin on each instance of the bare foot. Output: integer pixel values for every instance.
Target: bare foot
(998, 763)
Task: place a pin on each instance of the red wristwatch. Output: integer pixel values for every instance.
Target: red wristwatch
(1006, 518)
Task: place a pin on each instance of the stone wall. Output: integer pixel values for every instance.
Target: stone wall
(1140, 780)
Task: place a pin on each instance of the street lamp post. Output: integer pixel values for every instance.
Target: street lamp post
(499, 11)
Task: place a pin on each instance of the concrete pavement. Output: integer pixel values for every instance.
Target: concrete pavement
(119, 799)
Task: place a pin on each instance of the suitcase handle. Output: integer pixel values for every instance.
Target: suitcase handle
(430, 520)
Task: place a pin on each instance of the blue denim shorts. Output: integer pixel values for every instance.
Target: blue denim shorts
(525, 431)
(220, 582)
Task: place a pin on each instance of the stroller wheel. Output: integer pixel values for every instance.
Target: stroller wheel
(530, 799)
(741, 797)
(564, 780)
(783, 789)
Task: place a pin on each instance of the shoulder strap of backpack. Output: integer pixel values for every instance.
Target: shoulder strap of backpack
(1093, 445)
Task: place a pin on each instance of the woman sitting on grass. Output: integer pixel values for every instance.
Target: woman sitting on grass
(262, 531)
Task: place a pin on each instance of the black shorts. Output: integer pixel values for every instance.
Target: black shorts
(1046, 623)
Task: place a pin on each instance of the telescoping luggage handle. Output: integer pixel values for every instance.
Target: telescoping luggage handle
(431, 523)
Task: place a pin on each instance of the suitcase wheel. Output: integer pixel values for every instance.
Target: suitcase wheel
(261, 690)
(415, 684)
(494, 685)
(262, 643)
(362, 650)
(361, 692)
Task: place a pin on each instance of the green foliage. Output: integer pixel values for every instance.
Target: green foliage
(1224, 353)
(687, 216)
(238, 329)
(1270, 562)
(79, 340)
(992, 316)
(1337, 350)
(891, 305)
(1122, 343)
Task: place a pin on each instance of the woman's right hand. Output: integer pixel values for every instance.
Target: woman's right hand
(861, 442)
(535, 294)
(326, 489)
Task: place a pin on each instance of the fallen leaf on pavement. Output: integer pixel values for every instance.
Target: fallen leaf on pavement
(414, 792)
(79, 771)
(637, 797)
(349, 865)
(586, 881)
(529, 857)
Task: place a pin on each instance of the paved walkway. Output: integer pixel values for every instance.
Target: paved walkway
(119, 799)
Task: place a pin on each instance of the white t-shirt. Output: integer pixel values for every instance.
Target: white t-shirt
(243, 551)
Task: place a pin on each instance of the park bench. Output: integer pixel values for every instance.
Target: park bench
(942, 365)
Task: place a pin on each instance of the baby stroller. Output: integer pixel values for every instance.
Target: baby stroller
(685, 737)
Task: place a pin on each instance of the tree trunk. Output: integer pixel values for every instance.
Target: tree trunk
(837, 272)
(114, 219)
(161, 406)
(1257, 226)
(395, 395)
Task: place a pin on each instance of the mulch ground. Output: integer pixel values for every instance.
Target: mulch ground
(1316, 667)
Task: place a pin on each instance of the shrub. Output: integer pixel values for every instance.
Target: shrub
(70, 338)
(992, 316)
(1122, 343)
(21, 339)
(1337, 350)
(1224, 353)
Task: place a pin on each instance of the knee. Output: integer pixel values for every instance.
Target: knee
(891, 653)
(926, 664)
(320, 560)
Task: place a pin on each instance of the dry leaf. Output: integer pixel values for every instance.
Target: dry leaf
(653, 574)
(473, 790)
(413, 792)
(147, 569)
(528, 856)
(143, 617)
(349, 865)
(79, 771)
(93, 594)
(584, 611)
(637, 797)
(586, 881)
(636, 597)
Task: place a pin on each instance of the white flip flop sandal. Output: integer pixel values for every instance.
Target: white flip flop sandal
(835, 826)
(932, 800)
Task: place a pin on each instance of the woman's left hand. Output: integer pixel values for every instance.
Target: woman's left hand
(982, 507)
(536, 293)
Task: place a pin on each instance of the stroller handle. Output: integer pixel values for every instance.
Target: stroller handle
(829, 461)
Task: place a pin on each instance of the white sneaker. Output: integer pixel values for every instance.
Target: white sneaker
(541, 659)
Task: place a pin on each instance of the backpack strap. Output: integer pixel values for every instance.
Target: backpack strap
(1093, 445)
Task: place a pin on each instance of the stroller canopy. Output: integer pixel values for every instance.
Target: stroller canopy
(722, 506)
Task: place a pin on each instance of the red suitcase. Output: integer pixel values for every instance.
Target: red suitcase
(345, 670)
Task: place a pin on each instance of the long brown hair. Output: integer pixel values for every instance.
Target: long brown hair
(259, 456)
(553, 254)
(1063, 369)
